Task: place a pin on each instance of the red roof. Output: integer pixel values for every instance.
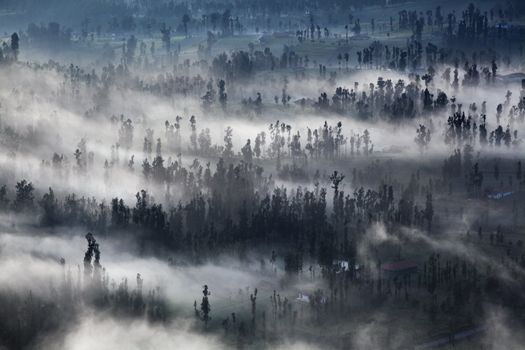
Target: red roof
(399, 265)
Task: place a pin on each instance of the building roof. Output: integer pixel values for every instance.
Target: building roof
(399, 265)
(500, 195)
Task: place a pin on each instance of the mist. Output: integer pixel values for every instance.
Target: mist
(261, 175)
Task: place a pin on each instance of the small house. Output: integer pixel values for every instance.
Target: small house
(399, 268)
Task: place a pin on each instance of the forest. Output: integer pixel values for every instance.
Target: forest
(293, 174)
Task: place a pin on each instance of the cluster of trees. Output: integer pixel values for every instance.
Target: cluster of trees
(9, 51)
(476, 26)
(38, 313)
(385, 100)
(463, 130)
(234, 205)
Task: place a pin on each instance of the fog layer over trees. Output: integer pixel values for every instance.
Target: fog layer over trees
(262, 175)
